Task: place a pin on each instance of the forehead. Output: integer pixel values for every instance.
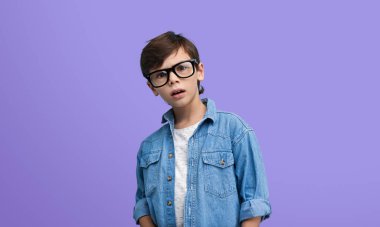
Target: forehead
(175, 57)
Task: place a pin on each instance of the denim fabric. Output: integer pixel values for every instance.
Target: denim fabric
(226, 177)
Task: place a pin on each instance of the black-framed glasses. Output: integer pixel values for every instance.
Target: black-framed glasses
(182, 69)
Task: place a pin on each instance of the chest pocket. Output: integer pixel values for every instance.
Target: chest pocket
(150, 165)
(219, 173)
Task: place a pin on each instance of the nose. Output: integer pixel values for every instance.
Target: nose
(173, 78)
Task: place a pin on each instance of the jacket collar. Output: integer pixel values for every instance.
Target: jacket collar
(210, 112)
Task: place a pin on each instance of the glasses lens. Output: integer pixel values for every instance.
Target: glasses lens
(159, 78)
(184, 69)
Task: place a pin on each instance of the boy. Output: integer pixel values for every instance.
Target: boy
(203, 167)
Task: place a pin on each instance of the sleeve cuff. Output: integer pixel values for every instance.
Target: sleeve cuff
(255, 208)
(141, 209)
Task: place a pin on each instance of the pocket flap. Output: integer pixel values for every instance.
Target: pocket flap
(218, 159)
(148, 159)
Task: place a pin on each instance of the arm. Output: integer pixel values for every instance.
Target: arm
(146, 221)
(141, 212)
(251, 178)
(252, 222)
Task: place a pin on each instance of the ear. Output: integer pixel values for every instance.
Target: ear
(200, 72)
(152, 88)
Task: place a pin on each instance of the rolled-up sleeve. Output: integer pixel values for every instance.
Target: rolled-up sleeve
(251, 177)
(141, 207)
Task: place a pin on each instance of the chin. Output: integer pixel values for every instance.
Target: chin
(179, 103)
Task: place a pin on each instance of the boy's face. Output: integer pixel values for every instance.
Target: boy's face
(188, 85)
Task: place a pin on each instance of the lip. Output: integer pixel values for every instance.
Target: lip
(179, 95)
(177, 90)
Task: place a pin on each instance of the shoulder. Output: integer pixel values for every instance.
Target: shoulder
(154, 141)
(232, 124)
(232, 118)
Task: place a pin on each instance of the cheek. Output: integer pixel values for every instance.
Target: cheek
(190, 85)
(163, 92)
(194, 79)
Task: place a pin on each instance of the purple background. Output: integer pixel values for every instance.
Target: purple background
(74, 106)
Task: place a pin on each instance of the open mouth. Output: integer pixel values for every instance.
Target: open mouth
(177, 91)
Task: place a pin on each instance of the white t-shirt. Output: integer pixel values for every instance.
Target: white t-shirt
(181, 138)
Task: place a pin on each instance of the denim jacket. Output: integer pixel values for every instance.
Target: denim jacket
(226, 182)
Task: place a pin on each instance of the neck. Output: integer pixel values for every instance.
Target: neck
(190, 114)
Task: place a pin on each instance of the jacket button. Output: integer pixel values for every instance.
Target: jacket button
(170, 155)
(169, 178)
(169, 203)
(222, 162)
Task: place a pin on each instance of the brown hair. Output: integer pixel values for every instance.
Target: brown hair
(161, 47)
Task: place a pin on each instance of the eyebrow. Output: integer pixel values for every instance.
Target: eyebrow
(160, 69)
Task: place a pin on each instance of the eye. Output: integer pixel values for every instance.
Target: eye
(182, 67)
(158, 75)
